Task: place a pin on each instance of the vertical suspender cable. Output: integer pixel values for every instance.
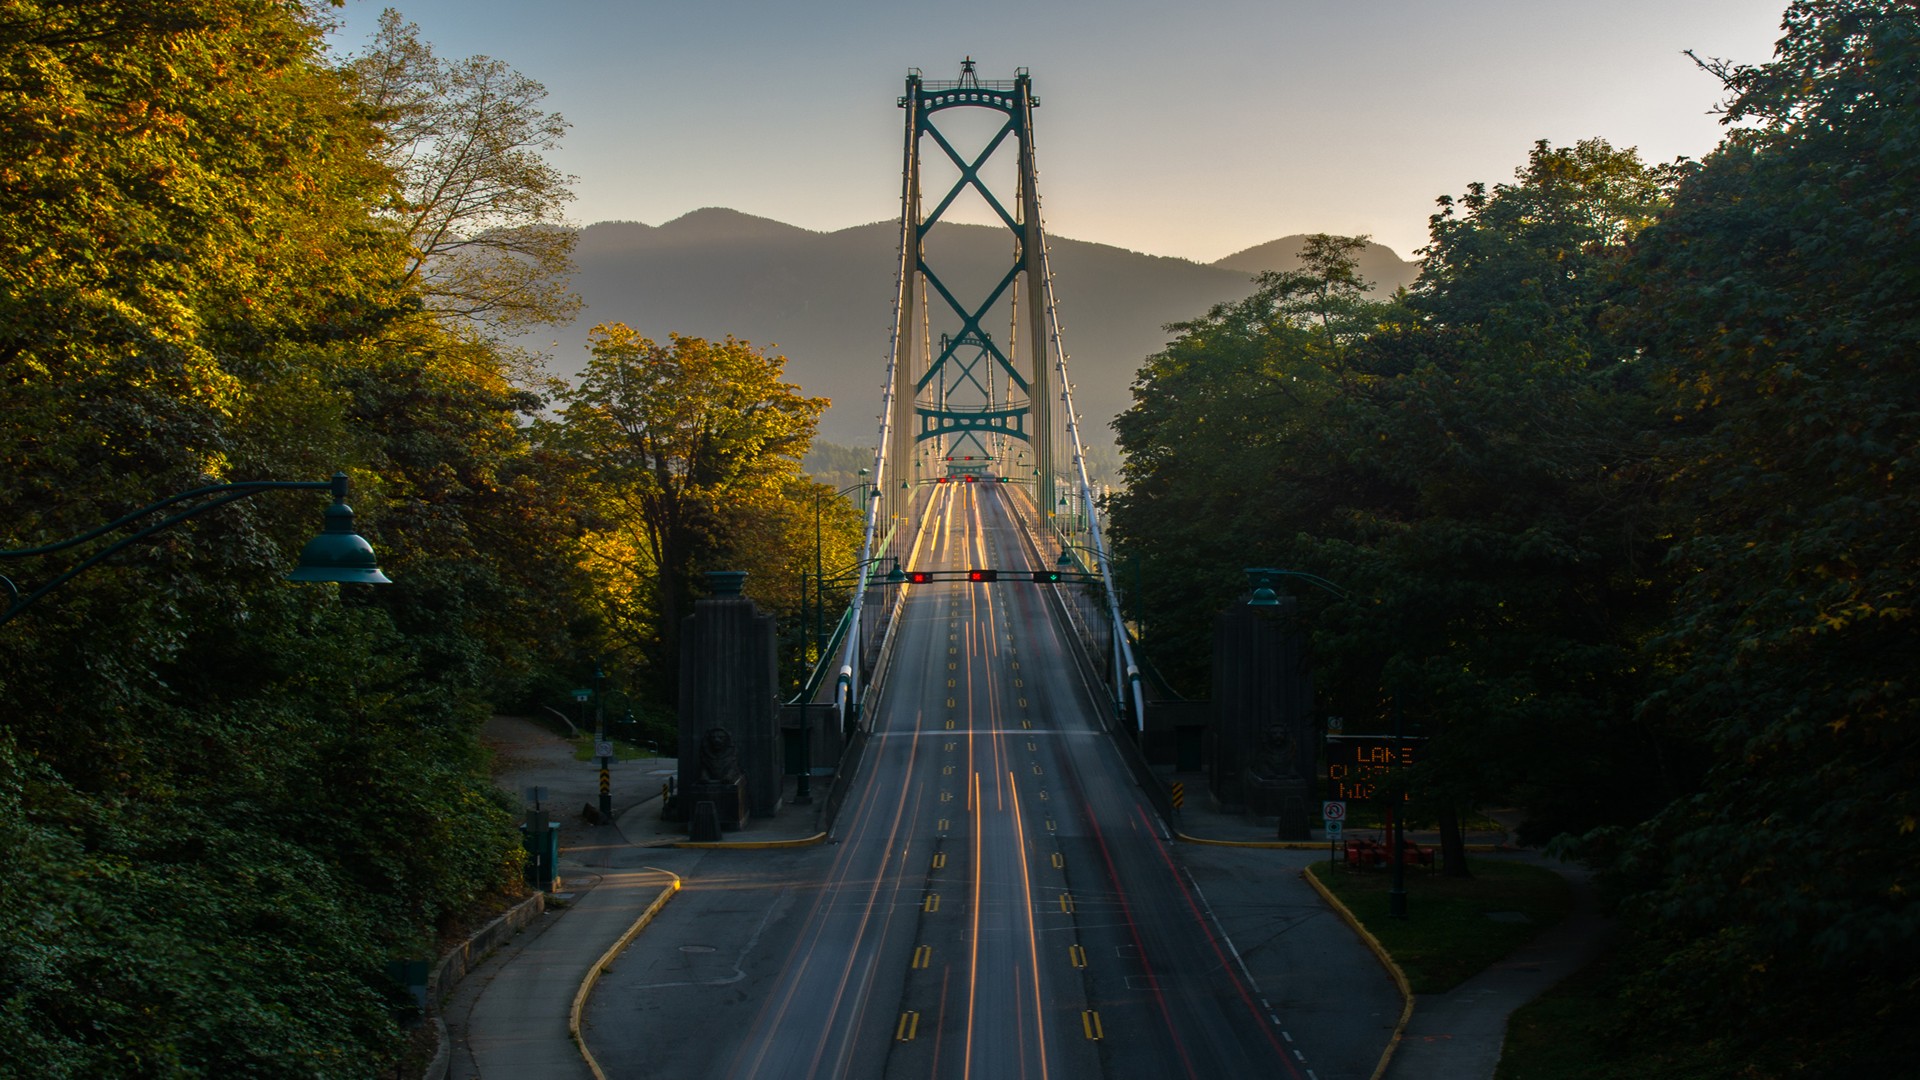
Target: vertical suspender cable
(1127, 676)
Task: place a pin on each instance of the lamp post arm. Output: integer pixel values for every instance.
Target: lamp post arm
(1315, 579)
(226, 493)
(240, 490)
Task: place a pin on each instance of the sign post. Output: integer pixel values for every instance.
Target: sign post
(1334, 813)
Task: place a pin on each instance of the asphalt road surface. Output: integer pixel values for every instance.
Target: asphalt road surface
(1000, 901)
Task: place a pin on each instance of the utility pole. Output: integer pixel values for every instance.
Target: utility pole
(604, 747)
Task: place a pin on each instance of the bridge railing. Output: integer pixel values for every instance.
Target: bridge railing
(1125, 674)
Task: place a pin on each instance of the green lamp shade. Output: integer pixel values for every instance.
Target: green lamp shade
(339, 553)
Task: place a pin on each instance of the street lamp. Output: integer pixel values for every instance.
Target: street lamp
(338, 553)
(1066, 561)
(1261, 578)
(803, 789)
(818, 499)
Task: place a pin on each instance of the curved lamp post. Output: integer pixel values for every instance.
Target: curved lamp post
(338, 553)
(803, 787)
(1262, 578)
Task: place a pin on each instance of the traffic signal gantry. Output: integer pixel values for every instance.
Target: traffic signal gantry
(981, 576)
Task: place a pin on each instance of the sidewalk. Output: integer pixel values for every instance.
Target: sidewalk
(509, 1018)
(1462, 1032)
(1458, 1035)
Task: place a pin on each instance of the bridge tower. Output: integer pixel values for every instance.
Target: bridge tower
(968, 397)
(975, 399)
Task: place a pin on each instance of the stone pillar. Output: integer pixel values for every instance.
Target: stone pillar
(1262, 756)
(729, 705)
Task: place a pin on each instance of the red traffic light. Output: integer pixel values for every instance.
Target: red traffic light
(969, 478)
(919, 577)
(983, 575)
(940, 480)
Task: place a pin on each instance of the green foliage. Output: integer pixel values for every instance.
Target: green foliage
(1461, 461)
(1618, 499)
(1778, 301)
(229, 802)
(688, 453)
(1223, 418)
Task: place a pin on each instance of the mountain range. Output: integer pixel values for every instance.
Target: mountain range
(825, 299)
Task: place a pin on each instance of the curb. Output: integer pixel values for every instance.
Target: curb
(456, 962)
(1307, 845)
(1287, 845)
(749, 845)
(600, 965)
(1386, 961)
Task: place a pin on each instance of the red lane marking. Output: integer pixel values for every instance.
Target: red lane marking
(1231, 968)
(1126, 910)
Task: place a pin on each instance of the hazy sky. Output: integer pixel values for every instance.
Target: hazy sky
(1192, 128)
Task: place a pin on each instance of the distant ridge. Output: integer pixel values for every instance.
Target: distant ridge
(1378, 263)
(826, 299)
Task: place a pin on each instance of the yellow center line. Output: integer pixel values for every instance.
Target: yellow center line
(1033, 937)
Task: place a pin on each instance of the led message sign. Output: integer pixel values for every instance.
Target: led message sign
(1357, 763)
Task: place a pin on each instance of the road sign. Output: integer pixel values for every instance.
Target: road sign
(582, 695)
(1333, 810)
(1336, 724)
(1357, 763)
(603, 749)
(1334, 826)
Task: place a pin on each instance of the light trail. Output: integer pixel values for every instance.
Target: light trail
(1033, 936)
(973, 962)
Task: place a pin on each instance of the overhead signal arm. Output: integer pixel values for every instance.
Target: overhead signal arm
(981, 576)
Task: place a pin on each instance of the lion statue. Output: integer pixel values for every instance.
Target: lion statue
(719, 759)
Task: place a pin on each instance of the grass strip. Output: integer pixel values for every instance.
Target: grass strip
(1455, 927)
(622, 751)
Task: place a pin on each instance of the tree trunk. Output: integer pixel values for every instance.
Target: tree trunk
(1453, 846)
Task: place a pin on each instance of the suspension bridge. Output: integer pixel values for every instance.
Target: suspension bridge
(971, 405)
(1000, 897)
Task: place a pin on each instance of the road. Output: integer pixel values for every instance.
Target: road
(1000, 900)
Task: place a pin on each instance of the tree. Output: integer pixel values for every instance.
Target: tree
(676, 440)
(1777, 302)
(227, 803)
(1501, 516)
(479, 203)
(1223, 445)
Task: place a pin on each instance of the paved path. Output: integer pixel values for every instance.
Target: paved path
(508, 1019)
(516, 1027)
(1458, 1035)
